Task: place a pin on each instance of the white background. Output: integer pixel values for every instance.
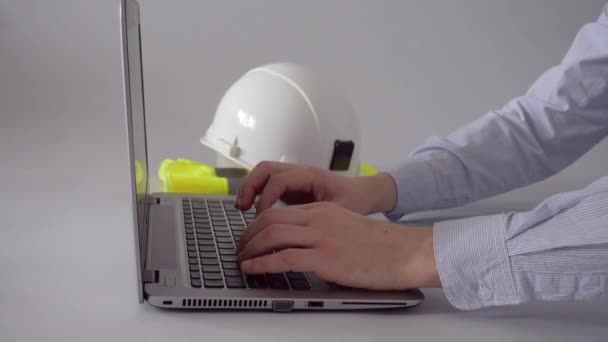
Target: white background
(412, 69)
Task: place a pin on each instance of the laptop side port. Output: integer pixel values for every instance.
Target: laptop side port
(282, 305)
(315, 304)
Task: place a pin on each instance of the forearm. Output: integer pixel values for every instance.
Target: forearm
(558, 251)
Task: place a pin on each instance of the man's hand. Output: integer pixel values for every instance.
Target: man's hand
(297, 184)
(339, 246)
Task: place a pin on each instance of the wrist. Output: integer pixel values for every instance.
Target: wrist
(380, 193)
(420, 267)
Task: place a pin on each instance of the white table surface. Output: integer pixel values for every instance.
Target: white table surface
(68, 274)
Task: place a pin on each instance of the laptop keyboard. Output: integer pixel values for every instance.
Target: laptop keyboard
(213, 230)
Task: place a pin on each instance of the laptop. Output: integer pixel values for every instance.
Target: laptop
(186, 243)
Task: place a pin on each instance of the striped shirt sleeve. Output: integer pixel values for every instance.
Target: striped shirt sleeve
(557, 251)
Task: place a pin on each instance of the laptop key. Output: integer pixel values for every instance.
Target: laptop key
(208, 255)
(232, 273)
(227, 251)
(205, 236)
(195, 275)
(224, 233)
(221, 228)
(225, 245)
(256, 281)
(191, 242)
(232, 258)
(193, 261)
(209, 261)
(192, 255)
(206, 243)
(299, 284)
(230, 265)
(212, 276)
(190, 236)
(277, 281)
(211, 268)
(194, 268)
(235, 282)
(203, 230)
(196, 283)
(237, 233)
(223, 238)
(214, 284)
(191, 248)
(198, 204)
(295, 275)
(207, 248)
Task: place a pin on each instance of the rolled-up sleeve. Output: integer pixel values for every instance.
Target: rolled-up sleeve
(557, 251)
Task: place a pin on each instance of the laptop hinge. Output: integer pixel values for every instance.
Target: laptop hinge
(152, 200)
(150, 276)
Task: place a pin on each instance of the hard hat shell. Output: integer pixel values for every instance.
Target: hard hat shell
(286, 112)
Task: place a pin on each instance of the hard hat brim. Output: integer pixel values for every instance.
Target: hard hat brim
(237, 161)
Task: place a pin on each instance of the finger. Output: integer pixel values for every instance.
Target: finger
(287, 260)
(255, 182)
(294, 180)
(309, 206)
(287, 215)
(278, 236)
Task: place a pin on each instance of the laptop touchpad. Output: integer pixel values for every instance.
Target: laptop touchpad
(162, 245)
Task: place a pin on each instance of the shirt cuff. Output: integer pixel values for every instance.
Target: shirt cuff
(415, 184)
(473, 262)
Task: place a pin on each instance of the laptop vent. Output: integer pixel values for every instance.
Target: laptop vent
(224, 303)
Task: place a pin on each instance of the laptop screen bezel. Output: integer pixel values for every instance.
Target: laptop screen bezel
(129, 15)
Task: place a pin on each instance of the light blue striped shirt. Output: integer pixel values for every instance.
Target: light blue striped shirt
(557, 251)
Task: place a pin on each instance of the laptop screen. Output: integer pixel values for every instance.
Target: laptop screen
(135, 108)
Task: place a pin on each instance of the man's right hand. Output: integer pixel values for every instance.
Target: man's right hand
(298, 184)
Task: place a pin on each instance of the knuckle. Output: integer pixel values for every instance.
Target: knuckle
(324, 210)
(266, 217)
(289, 258)
(264, 164)
(272, 232)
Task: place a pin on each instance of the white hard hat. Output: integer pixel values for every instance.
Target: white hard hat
(285, 112)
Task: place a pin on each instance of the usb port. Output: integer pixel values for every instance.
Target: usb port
(315, 304)
(167, 302)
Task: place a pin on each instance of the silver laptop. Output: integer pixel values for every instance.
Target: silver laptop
(186, 244)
